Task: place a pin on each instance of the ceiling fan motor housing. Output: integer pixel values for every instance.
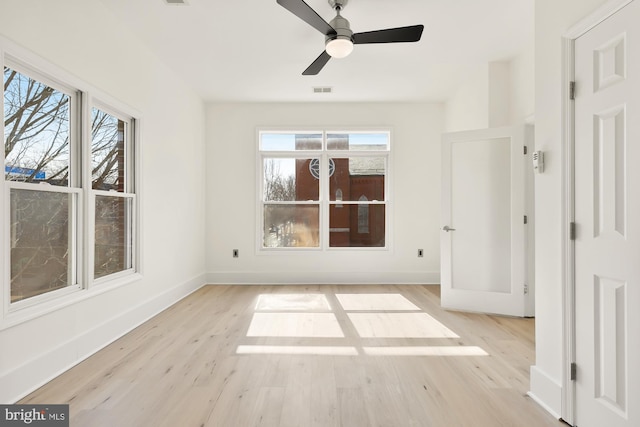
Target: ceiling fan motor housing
(342, 27)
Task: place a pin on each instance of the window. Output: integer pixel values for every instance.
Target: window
(113, 196)
(323, 189)
(45, 156)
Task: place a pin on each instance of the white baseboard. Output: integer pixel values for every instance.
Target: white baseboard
(546, 392)
(24, 379)
(323, 277)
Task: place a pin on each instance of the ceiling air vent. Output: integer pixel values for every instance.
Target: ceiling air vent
(322, 90)
(176, 2)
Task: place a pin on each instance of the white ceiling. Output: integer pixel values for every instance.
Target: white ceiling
(255, 50)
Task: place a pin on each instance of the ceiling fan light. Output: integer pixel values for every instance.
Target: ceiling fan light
(339, 47)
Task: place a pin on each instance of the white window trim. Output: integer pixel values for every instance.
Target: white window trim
(88, 96)
(325, 201)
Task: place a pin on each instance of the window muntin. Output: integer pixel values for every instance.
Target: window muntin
(349, 182)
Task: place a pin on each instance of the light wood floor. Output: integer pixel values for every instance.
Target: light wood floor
(238, 356)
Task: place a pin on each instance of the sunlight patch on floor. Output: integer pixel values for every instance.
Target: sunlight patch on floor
(399, 325)
(292, 302)
(310, 315)
(425, 351)
(297, 350)
(313, 325)
(378, 302)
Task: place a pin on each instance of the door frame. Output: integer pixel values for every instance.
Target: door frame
(568, 411)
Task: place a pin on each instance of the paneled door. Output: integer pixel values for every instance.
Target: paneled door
(607, 217)
(482, 240)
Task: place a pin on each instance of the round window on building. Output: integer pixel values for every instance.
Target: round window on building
(314, 167)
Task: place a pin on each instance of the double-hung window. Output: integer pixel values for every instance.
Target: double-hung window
(112, 197)
(323, 189)
(69, 175)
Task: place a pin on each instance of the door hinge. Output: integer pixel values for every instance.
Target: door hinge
(526, 220)
(525, 150)
(574, 372)
(526, 289)
(572, 90)
(572, 231)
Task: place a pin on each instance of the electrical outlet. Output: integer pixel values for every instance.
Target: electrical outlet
(236, 253)
(420, 253)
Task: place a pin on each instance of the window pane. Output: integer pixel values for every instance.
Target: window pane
(291, 226)
(107, 151)
(39, 242)
(113, 243)
(36, 129)
(358, 141)
(290, 141)
(356, 177)
(287, 180)
(360, 225)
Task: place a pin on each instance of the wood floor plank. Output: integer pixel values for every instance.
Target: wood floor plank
(268, 409)
(352, 407)
(297, 406)
(346, 356)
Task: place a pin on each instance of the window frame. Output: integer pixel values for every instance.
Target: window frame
(73, 187)
(325, 201)
(82, 228)
(128, 193)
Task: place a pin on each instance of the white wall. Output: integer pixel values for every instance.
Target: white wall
(522, 86)
(231, 195)
(552, 20)
(499, 93)
(499, 90)
(82, 37)
(468, 107)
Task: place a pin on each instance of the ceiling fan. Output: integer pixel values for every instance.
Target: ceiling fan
(339, 39)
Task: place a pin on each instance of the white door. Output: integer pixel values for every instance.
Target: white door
(483, 230)
(607, 216)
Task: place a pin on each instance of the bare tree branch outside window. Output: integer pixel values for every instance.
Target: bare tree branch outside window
(36, 129)
(278, 187)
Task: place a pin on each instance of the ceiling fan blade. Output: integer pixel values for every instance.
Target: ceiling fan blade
(308, 15)
(390, 35)
(317, 65)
